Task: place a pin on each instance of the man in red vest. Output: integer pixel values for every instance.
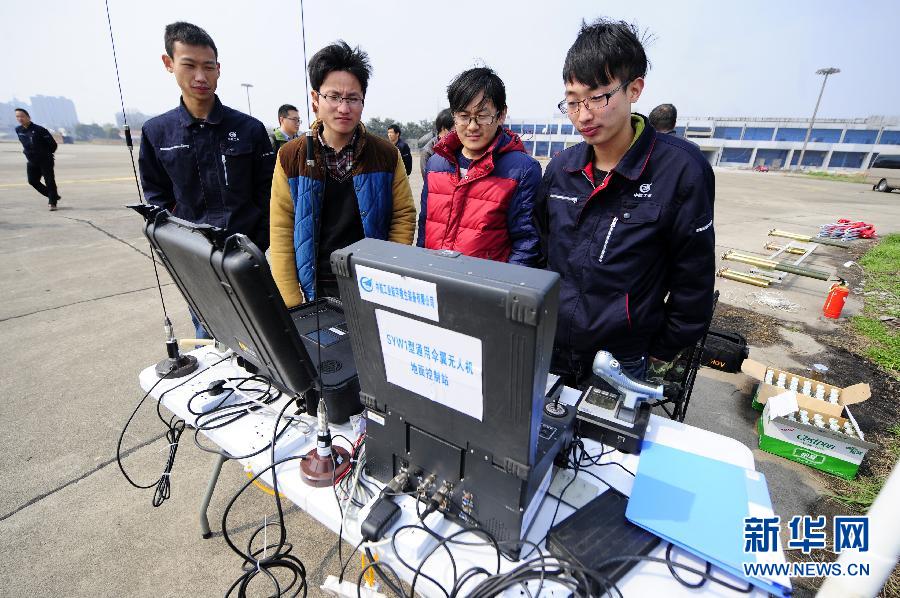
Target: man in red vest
(480, 185)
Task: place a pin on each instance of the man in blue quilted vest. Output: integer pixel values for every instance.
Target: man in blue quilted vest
(357, 188)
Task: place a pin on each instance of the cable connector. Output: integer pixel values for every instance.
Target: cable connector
(438, 500)
(397, 485)
(426, 484)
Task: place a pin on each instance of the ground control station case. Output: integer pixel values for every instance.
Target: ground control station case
(453, 354)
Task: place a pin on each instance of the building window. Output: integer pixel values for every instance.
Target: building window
(679, 131)
(846, 160)
(790, 134)
(890, 137)
(758, 133)
(872, 160)
(736, 155)
(540, 148)
(556, 147)
(860, 136)
(727, 133)
(549, 129)
(529, 147)
(775, 158)
(825, 136)
(528, 129)
(567, 130)
(810, 158)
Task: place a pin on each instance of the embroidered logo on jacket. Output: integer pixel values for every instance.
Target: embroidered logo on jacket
(644, 190)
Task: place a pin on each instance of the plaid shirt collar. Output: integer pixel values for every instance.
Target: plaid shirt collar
(339, 164)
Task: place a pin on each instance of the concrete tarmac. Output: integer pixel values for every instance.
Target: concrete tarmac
(80, 316)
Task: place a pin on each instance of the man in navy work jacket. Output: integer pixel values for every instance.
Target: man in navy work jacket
(626, 218)
(38, 146)
(205, 162)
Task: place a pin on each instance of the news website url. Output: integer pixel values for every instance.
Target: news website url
(808, 569)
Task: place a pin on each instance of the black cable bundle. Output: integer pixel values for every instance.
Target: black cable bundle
(174, 427)
(269, 558)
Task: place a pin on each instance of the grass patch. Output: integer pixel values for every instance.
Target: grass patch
(833, 176)
(881, 292)
(859, 494)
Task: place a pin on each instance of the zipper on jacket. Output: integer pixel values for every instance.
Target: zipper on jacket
(225, 169)
(612, 226)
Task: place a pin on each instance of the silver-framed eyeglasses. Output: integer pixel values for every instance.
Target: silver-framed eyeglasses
(334, 100)
(462, 119)
(593, 103)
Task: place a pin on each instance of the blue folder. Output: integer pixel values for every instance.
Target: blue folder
(699, 504)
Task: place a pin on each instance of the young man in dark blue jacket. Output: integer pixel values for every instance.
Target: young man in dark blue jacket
(626, 218)
(38, 146)
(205, 162)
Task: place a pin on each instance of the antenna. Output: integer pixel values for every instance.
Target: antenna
(175, 365)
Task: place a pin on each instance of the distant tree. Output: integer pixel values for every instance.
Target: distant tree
(411, 130)
(85, 132)
(112, 133)
(378, 126)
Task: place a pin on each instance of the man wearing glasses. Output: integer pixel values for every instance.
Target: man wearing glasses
(357, 187)
(626, 218)
(288, 126)
(480, 185)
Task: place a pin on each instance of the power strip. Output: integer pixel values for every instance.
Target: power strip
(204, 403)
(347, 589)
(296, 439)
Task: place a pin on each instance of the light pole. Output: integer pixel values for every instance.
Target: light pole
(247, 86)
(827, 71)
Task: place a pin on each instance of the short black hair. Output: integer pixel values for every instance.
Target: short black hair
(444, 120)
(22, 110)
(395, 128)
(339, 56)
(663, 117)
(468, 84)
(604, 51)
(188, 34)
(284, 109)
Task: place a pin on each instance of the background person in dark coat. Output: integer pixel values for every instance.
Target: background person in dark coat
(443, 124)
(38, 146)
(394, 136)
(663, 118)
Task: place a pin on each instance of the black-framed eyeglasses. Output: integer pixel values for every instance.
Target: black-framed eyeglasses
(593, 103)
(462, 119)
(334, 100)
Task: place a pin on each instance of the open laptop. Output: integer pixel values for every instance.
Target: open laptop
(228, 284)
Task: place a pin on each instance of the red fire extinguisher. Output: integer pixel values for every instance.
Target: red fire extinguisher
(834, 303)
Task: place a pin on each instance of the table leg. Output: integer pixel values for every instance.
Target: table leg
(204, 520)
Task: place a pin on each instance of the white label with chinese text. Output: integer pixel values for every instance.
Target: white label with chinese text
(438, 364)
(403, 293)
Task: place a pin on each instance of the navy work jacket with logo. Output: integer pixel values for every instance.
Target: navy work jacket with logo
(624, 244)
(216, 171)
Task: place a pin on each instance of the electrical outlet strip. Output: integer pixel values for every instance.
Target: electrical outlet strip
(297, 438)
(347, 589)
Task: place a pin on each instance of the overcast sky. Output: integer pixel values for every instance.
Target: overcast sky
(710, 58)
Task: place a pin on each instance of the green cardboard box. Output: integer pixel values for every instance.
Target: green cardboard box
(832, 452)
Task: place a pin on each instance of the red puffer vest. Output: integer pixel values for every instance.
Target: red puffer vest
(469, 214)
